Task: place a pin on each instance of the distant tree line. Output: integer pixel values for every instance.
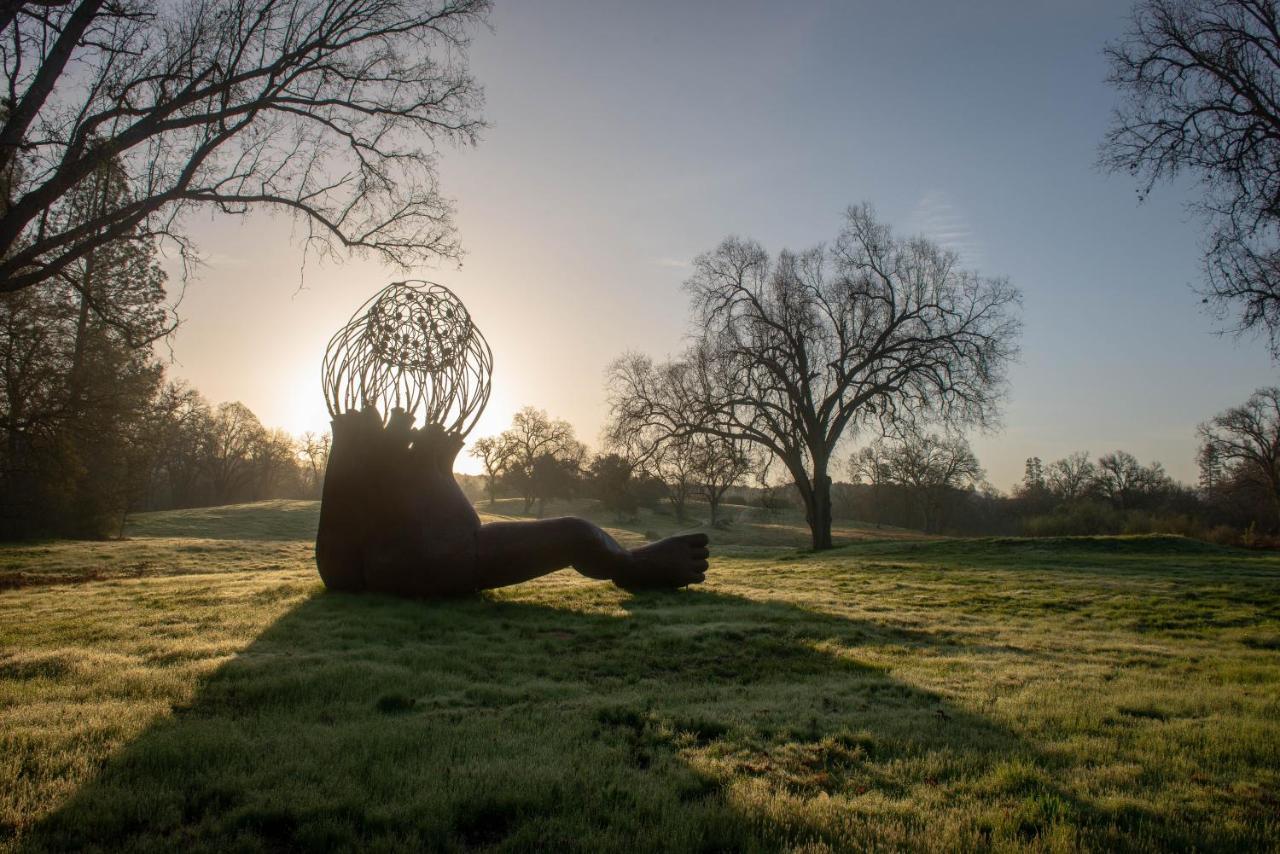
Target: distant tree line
(1112, 494)
(139, 444)
(538, 459)
(934, 483)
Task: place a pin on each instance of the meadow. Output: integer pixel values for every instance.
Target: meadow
(192, 687)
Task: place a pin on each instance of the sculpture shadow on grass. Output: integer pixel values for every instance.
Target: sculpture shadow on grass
(369, 722)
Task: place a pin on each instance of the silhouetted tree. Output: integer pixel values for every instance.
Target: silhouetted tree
(672, 463)
(1033, 480)
(1033, 492)
(234, 439)
(1247, 438)
(870, 465)
(1200, 80)
(314, 451)
(793, 350)
(689, 461)
(932, 468)
(325, 109)
(613, 484)
(1126, 482)
(555, 477)
(494, 456)
(718, 465)
(1072, 477)
(1209, 462)
(657, 449)
(182, 422)
(533, 436)
(275, 465)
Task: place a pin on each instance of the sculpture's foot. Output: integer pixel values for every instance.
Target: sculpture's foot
(666, 564)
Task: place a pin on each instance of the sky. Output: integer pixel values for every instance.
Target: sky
(627, 138)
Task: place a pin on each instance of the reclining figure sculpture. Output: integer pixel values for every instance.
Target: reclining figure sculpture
(392, 517)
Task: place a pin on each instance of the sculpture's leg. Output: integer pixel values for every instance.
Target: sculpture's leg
(512, 552)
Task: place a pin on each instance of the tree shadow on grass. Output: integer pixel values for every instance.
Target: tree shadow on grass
(695, 722)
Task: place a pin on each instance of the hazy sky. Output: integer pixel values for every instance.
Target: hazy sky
(627, 138)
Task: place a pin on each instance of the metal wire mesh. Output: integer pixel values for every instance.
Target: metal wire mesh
(411, 346)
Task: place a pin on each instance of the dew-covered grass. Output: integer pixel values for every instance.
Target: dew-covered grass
(193, 688)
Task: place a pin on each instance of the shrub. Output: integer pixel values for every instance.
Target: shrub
(1143, 522)
(1082, 519)
(1223, 535)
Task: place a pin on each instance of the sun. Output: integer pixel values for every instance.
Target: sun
(303, 410)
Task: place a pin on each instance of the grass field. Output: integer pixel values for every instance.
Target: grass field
(193, 688)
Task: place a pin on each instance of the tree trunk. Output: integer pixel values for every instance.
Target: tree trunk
(75, 384)
(1275, 503)
(817, 500)
(76, 374)
(677, 506)
(715, 508)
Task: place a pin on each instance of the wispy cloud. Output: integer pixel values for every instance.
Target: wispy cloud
(937, 217)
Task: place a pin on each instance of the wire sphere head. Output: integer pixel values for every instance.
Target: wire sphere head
(412, 346)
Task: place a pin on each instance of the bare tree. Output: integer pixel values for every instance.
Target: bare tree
(531, 445)
(718, 465)
(1072, 477)
(314, 450)
(689, 462)
(1201, 87)
(653, 448)
(1125, 481)
(182, 422)
(931, 467)
(329, 110)
(870, 464)
(1248, 437)
(673, 464)
(235, 437)
(794, 350)
(494, 456)
(275, 462)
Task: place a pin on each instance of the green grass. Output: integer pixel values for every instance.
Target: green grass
(195, 689)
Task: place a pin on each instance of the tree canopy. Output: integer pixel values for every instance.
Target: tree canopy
(327, 110)
(792, 351)
(1200, 86)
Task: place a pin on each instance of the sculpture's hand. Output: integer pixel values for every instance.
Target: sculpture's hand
(674, 562)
